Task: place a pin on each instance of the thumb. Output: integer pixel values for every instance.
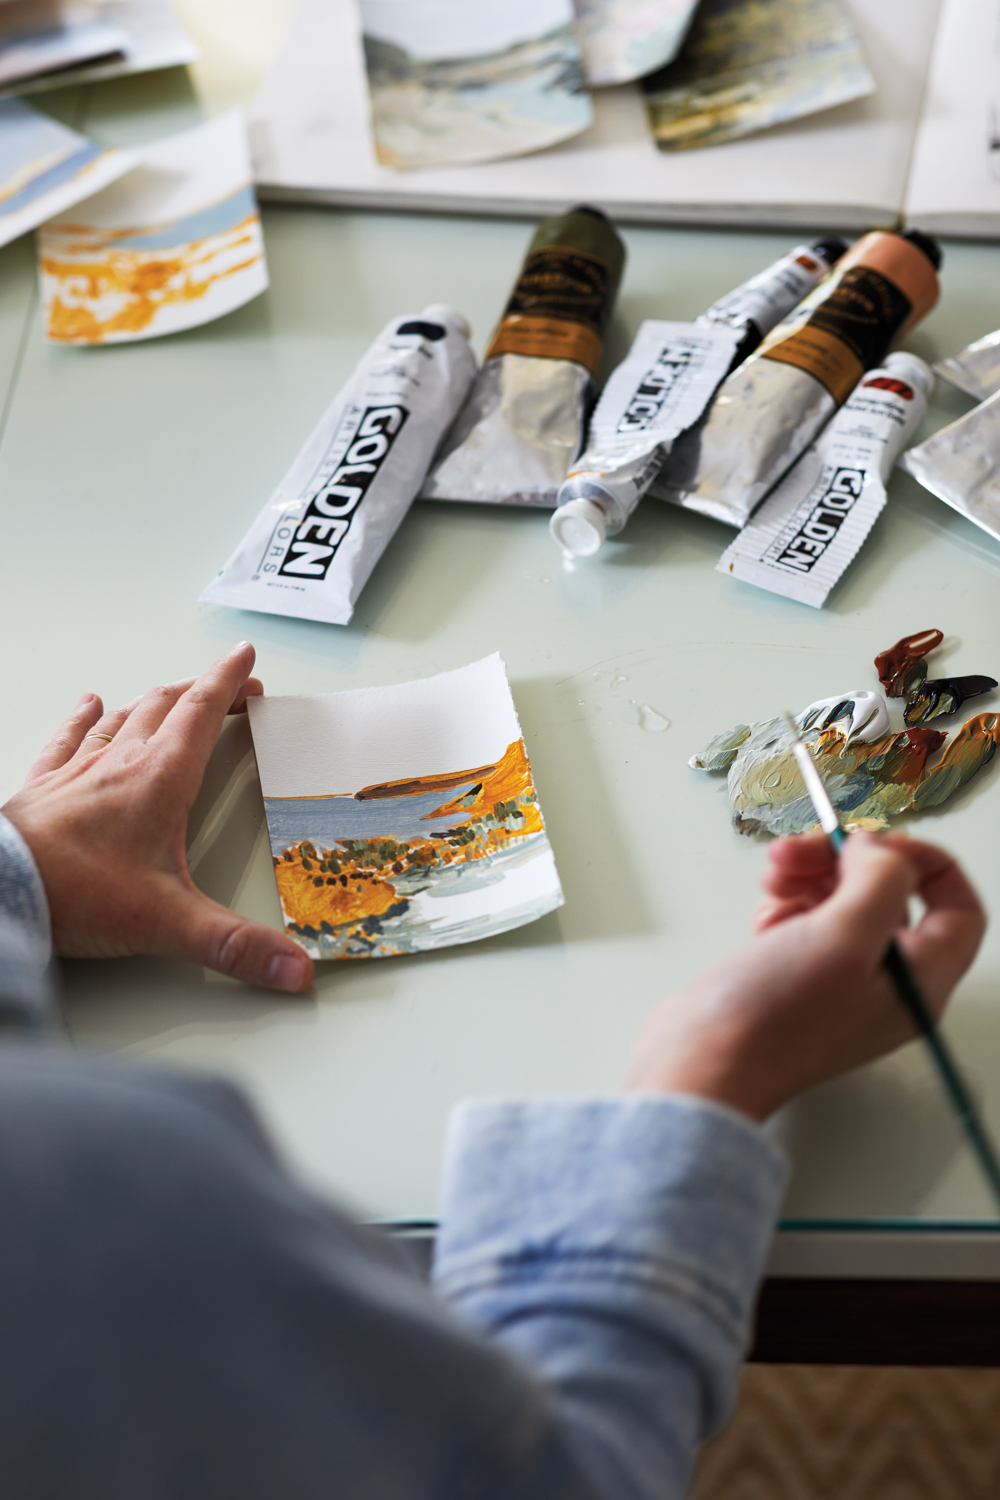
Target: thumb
(213, 935)
(876, 881)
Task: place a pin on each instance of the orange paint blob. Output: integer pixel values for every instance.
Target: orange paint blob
(95, 290)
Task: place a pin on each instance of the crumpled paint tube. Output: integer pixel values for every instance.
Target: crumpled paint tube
(655, 394)
(524, 420)
(768, 411)
(961, 465)
(761, 303)
(976, 370)
(312, 548)
(811, 527)
(663, 387)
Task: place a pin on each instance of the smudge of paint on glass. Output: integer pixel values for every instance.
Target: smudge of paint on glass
(651, 721)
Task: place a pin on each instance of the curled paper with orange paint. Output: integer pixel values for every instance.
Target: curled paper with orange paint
(174, 244)
(403, 818)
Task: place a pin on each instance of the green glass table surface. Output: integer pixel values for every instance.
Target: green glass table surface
(128, 474)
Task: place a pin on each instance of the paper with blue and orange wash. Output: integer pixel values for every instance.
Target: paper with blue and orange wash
(45, 168)
(174, 244)
(403, 818)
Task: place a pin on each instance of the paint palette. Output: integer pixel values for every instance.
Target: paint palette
(869, 780)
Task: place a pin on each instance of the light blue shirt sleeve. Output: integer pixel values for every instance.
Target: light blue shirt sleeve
(25, 936)
(615, 1247)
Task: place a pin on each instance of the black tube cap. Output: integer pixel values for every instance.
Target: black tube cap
(927, 244)
(831, 248)
(581, 208)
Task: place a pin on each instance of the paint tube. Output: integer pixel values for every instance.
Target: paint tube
(655, 394)
(976, 371)
(768, 411)
(757, 306)
(524, 420)
(811, 527)
(662, 388)
(960, 464)
(312, 548)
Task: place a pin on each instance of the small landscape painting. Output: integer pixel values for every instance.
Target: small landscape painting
(411, 862)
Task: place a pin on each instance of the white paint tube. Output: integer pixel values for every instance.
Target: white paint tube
(312, 548)
(960, 464)
(766, 414)
(664, 386)
(976, 370)
(811, 527)
(651, 398)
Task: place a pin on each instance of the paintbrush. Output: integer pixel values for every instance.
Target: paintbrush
(906, 984)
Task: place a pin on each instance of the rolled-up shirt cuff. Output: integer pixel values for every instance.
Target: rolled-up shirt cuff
(669, 1197)
(26, 988)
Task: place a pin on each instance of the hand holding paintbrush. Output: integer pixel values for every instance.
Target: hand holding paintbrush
(810, 997)
(907, 986)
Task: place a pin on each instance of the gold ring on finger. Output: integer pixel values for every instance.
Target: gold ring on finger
(99, 737)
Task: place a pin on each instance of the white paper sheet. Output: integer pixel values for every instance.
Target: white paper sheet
(156, 40)
(45, 168)
(403, 818)
(175, 244)
(955, 177)
(846, 168)
(623, 39)
(39, 36)
(450, 82)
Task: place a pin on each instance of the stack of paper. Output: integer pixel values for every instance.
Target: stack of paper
(923, 146)
(45, 167)
(48, 43)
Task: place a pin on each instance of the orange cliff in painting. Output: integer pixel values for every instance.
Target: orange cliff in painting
(366, 881)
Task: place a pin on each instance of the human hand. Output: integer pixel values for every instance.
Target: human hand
(106, 819)
(810, 998)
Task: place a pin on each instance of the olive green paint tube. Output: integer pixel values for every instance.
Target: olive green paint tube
(525, 417)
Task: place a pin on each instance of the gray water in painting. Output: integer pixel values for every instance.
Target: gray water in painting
(324, 820)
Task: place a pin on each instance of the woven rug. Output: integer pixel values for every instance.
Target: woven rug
(822, 1432)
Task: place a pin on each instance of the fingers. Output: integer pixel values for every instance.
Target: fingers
(797, 861)
(877, 879)
(802, 872)
(143, 717)
(252, 688)
(192, 724)
(103, 733)
(771, 912)
(140, 719)
(216, 937)
(945, 941)
(68, 737)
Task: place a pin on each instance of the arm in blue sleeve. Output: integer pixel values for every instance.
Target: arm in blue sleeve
(25, 937)
(614, 1246)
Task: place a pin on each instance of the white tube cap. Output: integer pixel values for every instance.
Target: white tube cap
(440, 312)
(580, 527)
(912, 368)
